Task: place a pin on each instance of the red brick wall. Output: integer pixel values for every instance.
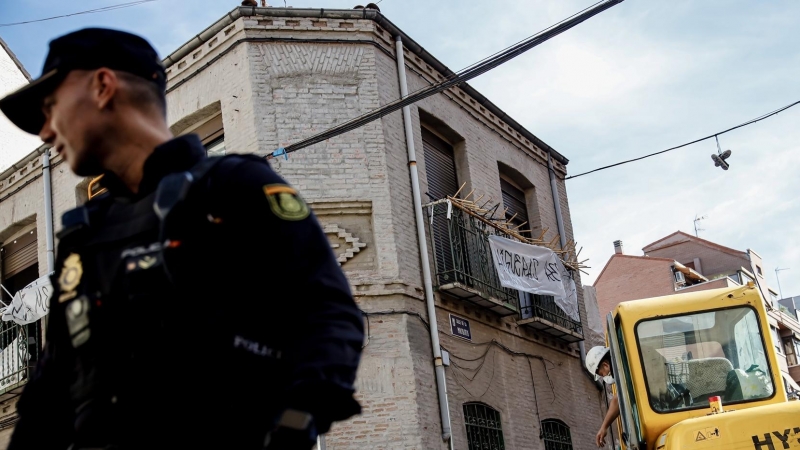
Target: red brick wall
(632, 278)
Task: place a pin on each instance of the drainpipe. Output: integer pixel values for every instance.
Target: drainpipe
(441, 385)
(48, 214)
(563, 237)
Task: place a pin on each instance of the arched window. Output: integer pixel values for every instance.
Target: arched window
(484, 429)
(556, 435)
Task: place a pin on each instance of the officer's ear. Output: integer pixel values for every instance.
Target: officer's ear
(104, 86)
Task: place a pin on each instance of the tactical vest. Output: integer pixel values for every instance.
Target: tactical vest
(137, 298)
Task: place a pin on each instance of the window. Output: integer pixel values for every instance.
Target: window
(758, 271)
(689, 358)
(516, 209)
(517, 215)
(440, 171)
(207, 125)
(556, 435)
(735, 277)
(440, 166)
(484, 429)
(774, 297)
(776, 339)
(216, 147)
(790, 349)
(746, 278)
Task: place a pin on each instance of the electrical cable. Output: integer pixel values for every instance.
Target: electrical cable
(89, 11)
(710, 136)
(535, 399)
(470, 72)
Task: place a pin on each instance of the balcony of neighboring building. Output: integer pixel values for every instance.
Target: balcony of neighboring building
(464, 270)
(20, 345)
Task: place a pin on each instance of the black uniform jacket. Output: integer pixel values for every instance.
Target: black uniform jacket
(197, 333)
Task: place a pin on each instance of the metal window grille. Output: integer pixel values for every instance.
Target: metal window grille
(484, 429)
(556, 435)
(19, 351)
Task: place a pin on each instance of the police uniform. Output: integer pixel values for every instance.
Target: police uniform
(207, 310)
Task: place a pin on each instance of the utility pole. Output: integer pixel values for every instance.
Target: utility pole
(779, 280)
(698, 219)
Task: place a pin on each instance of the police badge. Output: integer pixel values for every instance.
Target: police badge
(70, 277)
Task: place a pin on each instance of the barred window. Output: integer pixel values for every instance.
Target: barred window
(556, 435)
(484, 429)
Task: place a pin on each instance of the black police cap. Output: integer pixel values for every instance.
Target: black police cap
(87, 49)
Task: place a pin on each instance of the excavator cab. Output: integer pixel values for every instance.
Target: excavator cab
(689, 367)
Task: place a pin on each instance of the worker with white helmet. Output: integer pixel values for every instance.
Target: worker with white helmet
(598, 362)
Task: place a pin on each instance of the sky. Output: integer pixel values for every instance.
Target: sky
(641, 77)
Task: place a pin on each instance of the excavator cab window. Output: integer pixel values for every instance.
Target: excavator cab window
(689, 358)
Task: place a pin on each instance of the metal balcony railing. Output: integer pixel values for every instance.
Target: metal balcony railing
(19, 351)
(464, 269)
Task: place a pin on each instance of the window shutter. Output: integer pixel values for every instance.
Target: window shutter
(514, 200)
(440, 166)
(440, 171)
(19, 255)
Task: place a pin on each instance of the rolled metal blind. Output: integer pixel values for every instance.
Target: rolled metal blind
(440, 171)
(514, 200)
(19, 255)
(440, 166)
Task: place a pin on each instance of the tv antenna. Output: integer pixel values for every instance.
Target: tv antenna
(698, 219)
(777, 269)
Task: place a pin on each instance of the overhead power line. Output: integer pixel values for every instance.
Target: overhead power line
(710, 136)
(464, 75)
(89, 11)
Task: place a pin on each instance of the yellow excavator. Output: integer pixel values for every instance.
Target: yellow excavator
(698, 371)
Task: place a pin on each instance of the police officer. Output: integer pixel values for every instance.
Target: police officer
(197, 303)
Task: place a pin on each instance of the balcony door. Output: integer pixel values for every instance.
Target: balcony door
(440, 172)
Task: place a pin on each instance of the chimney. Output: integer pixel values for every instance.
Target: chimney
(618, 248)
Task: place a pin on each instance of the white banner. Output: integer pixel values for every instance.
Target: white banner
(30, 303)
(534, 269)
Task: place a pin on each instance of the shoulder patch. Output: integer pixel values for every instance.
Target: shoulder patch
(285, 202)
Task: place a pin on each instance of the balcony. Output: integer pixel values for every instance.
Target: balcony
(541, 313)
(464, 270)
(19, 351)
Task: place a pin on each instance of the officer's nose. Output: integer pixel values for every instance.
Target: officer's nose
(46, 134)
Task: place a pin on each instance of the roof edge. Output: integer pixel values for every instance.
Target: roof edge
(22, 162)
(355, 14)
(13, 57)
(700, 241)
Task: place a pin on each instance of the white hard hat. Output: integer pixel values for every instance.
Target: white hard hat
(593, 358)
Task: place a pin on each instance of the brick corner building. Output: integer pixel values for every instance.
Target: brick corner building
(262, 78)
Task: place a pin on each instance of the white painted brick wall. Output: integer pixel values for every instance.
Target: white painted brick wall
(14, 143)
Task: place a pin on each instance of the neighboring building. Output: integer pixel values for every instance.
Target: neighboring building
(681, 262)
(261, 78)
(18, 247)
(14, 144)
